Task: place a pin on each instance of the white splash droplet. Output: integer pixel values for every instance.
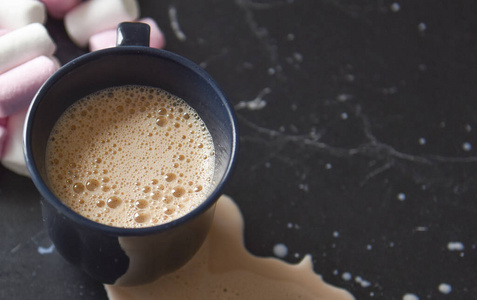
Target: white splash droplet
(280, 250)
(362, 282)
(455, 246)
(410, 297)
(467, 146)
(445, 288)
(395, 7)
(346, 276)
(43, 250)
(421, 27)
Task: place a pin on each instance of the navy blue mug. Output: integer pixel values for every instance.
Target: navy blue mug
(128, 256)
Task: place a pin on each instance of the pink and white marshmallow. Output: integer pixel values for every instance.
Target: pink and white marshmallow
(20, 84)
(107, 39)
(58, 8)
(3, 136)
(3, 133)
(12, 156)
(3, 31)
(94, 16)
(15, 14)
(23, 44)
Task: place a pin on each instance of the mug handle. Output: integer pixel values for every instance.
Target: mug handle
(133, 34)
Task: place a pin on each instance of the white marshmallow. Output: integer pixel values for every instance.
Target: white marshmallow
(15, 14)
(3, 31)
(23, 44)
(102, 40)
(12, 158)
(94, 16)
(56, 61)
(3, 135)
(58, 8)
(157, 39)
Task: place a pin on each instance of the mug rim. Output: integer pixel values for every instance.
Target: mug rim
(50, 197)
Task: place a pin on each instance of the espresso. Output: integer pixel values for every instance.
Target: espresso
(130, 156)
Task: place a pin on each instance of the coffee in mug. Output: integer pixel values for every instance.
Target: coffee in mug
(130, 156)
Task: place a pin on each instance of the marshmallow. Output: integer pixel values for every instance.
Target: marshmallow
(23, 44)
(104, 39)
(3, 132)
(58, 8)
(157, 39)
(94, 16)
(56, 61)
(15, 14)
(107, 39)
(20, 84)
(12, 157)
(3, 31)
(3, 135)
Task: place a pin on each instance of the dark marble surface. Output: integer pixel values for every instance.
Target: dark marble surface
(358, 143)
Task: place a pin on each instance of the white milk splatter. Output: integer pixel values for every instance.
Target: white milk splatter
(445, 288)
(255, 104)
(421, 27)
(410, 297)
(280, 250)
(455, 246)
(344, 97)
(346, 276)
(421, 228)
(362, 282)
(467, 146)
(175, 24)
(395, 7)
(43, 250)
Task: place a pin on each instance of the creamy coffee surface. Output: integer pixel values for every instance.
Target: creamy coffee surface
(130, 156)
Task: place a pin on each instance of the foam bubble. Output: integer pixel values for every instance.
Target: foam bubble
(92, 184)
(114, 202)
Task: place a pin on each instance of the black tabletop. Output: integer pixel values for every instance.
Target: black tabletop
(358, 141)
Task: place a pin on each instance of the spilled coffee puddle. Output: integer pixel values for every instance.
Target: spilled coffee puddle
(224, 269)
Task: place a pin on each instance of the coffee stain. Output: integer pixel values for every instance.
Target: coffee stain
(224, 269)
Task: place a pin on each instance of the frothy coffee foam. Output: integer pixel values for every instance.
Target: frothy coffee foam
(224, 269)
(130, 156)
